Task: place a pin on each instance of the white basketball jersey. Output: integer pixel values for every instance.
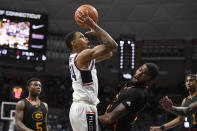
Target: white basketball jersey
(84, 81)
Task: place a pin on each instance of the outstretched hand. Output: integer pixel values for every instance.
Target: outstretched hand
(166, 103)
(86, 21)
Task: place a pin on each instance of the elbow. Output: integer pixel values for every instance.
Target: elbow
(112, 45)
(110, 55)
(115, 45)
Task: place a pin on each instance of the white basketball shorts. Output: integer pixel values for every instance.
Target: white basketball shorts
(83, 117)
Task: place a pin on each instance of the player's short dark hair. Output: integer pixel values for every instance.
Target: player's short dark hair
(69, 38)
(194, 76)
(32, 79)
(153, 70)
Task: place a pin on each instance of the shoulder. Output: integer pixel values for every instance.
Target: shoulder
(137, 93)
(84, 57)
(86, 51)
(83, 54)
(130, 90)
(20, 104)
(183, 101)
(45, 105)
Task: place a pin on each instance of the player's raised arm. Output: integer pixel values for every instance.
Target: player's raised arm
(19, 116)
(95, 29)
(102, 51)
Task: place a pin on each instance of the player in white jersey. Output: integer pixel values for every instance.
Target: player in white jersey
(83, 111)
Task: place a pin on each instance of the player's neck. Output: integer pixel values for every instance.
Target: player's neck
(76, 50)
(35, 101)
(136, 84)
(192, 94)
(33, 98)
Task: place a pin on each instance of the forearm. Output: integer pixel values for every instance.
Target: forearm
(104, 37)
(115, 115)
(22, 127)
(182, 111)
(173, 123)
(105, 120)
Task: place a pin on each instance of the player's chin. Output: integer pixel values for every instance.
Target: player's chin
(191, 89)
(188, 88)
(87, 47)
(37, 93)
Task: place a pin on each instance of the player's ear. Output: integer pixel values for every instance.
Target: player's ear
(73, 43)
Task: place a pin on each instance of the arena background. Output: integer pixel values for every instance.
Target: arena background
(164, 32)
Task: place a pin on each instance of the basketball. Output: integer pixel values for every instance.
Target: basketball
(92, 12)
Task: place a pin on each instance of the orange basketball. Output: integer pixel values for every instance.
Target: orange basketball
(92, 12)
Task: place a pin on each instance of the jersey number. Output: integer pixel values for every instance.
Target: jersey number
(194, 119)
(39, 126)
(72, 73)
